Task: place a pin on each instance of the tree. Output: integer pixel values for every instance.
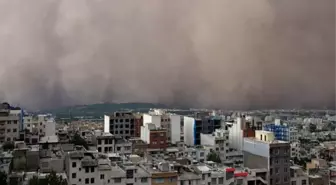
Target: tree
(8, 146)
(3, 177)
(78, 140)
(51, 179)
(213, 156)
(312, 127)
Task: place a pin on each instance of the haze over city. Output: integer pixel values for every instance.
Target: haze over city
(219, 53)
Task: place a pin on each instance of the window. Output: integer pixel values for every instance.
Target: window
(221, 180)
(87, 181)
(285, 179)
(102, 176)
(92, 181)
(129, 174)
(73, 175)
(99, 142)
(14, 130)
(99, 149)
(87, 170)
(92, 169)
(8, 130)
(143, 180)
(285, 169)
(293, 183)
(117, 180)
(159, 180)
(304, 182)
(15, 122)
(203, 176)
(276, 170)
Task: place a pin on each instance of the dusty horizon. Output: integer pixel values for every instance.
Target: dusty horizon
(220, 53)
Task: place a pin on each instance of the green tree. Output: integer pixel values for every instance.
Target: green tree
(213, 156)
(51, 179)
(3, 177)
(78, 140)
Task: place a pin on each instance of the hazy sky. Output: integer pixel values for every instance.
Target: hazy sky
(202, 53)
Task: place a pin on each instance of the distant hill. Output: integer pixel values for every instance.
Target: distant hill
(98, 110)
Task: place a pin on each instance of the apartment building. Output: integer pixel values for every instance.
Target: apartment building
(43, 125)
(105, 142)
(84, 167)
(10, 119)
(298, 176)
(123, 147)
(240, 128)
(263, 151)
(162, 173)
(170, 122)
(219, 140)
(192, 130)
(154, 136)
(120, 124)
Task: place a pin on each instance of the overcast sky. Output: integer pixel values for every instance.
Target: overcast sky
(216, 53)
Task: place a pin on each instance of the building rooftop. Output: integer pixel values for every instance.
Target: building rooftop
(49, 139)
(253, 139)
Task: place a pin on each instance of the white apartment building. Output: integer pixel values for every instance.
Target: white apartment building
(188, 129)
(295, 149)
(170, 122)
(44, 125)
(84, 168)
(196, 154)
(219, 140)
(236, 133)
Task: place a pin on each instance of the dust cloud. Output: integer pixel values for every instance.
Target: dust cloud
(218, 53)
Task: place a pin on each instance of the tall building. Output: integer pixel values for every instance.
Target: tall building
(194, 127)
(120, 124)
(10, 120)
(263, 151)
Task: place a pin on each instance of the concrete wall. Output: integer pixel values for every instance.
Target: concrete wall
(256, 147)
(207, 139)
(254, 161)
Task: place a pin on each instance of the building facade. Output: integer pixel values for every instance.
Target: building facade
(121, 124)
(263, 151)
